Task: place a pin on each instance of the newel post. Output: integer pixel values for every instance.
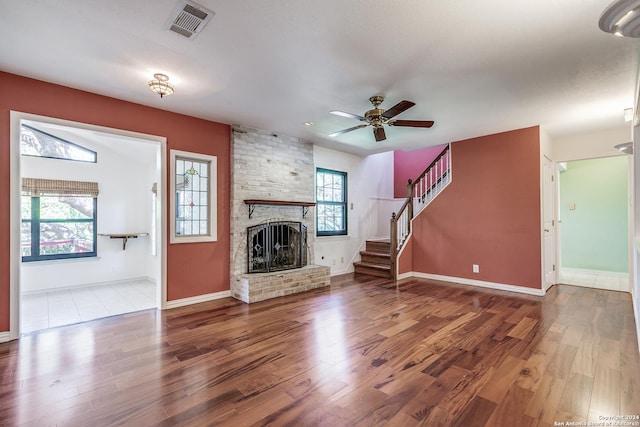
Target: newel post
(410, 198)
(393, 244)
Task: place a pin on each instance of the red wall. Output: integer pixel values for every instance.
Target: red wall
(489, 215)
(409, 165)
(192, 269)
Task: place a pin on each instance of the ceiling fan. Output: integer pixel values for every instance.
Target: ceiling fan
(378, 117)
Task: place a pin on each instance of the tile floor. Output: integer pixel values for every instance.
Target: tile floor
(612, 282)
(44, 310)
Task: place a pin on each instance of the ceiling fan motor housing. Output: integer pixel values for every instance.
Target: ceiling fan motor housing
(374, 116)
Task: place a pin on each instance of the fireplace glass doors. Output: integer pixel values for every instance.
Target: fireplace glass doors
(276, 246)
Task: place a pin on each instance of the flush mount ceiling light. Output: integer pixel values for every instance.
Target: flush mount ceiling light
(626, 147)
(161, 85)
(621, 18)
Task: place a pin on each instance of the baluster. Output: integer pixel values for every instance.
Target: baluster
(430, 174)
(434, 177)
(439, 174)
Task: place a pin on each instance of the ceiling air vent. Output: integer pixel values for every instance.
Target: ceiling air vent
(190, 19)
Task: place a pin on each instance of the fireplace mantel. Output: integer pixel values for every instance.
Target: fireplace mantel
(253, 202)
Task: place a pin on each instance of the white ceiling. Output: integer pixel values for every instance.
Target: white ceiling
(475, 67)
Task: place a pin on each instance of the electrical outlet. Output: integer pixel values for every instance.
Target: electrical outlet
(476, 268)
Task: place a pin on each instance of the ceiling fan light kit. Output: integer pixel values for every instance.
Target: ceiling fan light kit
(378, 118)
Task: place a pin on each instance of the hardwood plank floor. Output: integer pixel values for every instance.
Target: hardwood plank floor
(362, 352)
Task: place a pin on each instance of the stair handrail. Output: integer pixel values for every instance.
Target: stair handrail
(402, 219)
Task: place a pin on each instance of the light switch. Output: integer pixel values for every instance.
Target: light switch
(572, 206)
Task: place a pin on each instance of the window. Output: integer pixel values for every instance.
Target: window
(34, 142)
(193, 185)
(58, 219)
(331, 202)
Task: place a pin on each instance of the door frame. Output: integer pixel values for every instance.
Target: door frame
(630, 220)
(14, 201)
(549, 248)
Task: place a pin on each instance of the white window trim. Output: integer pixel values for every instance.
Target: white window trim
(213, 197)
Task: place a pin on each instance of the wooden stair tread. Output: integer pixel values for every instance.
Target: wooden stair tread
(372, 270)
(374, 253)
(373, 266)
(377, 247)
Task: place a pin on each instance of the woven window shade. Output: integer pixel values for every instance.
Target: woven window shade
(56, 187)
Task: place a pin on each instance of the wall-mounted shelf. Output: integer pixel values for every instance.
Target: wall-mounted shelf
(125, 237)
(253, 202)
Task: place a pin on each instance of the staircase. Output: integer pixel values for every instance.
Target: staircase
(375, 259)
(379, 258)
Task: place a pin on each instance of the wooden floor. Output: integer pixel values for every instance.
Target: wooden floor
(360, 353)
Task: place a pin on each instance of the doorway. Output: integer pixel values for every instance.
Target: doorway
(594, 223)
(124, 275)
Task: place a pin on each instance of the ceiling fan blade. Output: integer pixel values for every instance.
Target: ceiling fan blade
(379, 134)
(348, 115)
(397, 109)
(412, 123)
(340, 132)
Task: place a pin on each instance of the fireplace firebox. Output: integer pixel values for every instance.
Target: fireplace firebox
(276, 246)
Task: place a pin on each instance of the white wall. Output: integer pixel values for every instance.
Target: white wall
(546, 144)
(124, 206)
(370, 204)
(590, 145)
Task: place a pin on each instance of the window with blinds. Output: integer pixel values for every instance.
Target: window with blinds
(58, 219)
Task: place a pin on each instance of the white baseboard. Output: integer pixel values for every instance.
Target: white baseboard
(478, 283)
(5, 336)
(197, 299)
(405, 276)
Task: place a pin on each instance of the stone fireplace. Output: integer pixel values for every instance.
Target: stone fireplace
(272, 182)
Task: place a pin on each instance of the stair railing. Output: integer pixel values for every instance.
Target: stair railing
(419, 194)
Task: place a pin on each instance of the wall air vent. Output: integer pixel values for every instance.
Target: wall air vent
(189, 19)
